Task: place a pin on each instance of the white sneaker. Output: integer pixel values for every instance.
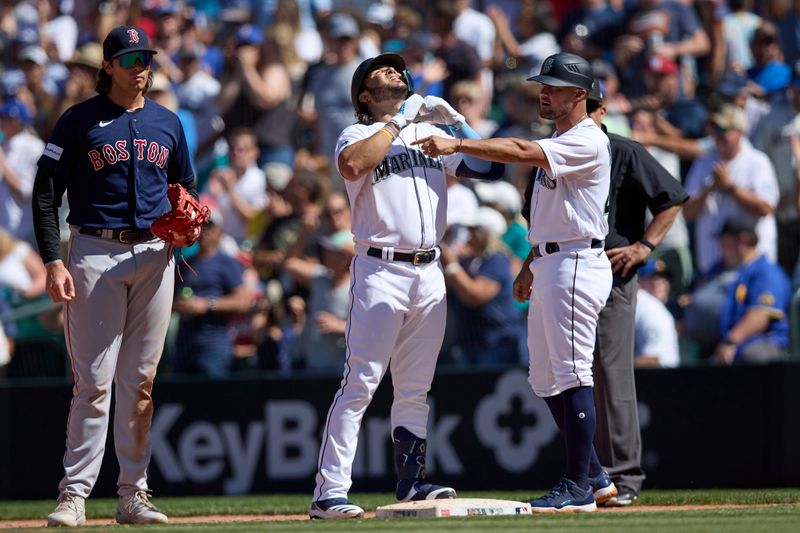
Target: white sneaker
(70, 511)
(135, 508)
(335, 508)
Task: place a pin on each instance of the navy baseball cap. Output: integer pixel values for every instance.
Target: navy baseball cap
(16, 109)
(125, 39)
(565, 70)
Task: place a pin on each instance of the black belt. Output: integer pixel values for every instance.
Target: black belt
(418, 257)
(553, 247)
(123, 235)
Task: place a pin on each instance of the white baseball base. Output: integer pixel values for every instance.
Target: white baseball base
(453, 507)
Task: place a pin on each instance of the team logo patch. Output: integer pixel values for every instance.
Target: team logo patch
(766, 299)
(741, 292)
(133, 35)
(52, 151)
(546, 181)
(547, 65)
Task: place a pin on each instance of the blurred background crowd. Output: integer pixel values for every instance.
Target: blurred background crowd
(262, 87)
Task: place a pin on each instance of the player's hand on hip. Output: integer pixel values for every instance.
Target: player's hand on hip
(434, 146)
(523, 284)
(626, 258)
(438, 111)
(409, 110)
(60, 286)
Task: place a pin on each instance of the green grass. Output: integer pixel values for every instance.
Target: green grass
(783, 514)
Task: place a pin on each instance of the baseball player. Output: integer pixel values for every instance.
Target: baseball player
(114, 154)
(566, 276)
(398, 199)
(638, 182)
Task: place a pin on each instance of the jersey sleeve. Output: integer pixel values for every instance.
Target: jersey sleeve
(233, 276)
(661, 189)
(495, 267)
(569, 154)
(180, 166)
(765, 291)
(766, 186)
(350, 135)
(60, 151)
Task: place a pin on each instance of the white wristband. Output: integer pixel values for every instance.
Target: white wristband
(452, 268)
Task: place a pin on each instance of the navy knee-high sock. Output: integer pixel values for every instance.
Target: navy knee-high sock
(579, 425)
(556, 406)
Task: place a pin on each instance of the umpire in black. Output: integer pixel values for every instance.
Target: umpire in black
(638, 182)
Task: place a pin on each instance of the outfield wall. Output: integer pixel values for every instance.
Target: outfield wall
(701, 427)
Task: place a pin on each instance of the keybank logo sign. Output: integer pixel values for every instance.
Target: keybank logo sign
(510, 421)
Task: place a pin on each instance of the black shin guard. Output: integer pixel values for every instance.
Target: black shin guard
(409, 454)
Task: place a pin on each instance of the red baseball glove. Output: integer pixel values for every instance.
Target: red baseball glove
(182, 225)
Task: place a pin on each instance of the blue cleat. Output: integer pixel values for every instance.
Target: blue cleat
(603, 489)
(417, 489)
(566, 497)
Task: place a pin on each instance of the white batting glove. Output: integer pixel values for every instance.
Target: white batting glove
(440, 112)
(408, 111)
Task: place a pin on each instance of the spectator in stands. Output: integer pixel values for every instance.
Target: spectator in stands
(256, 93)
(489, 330)
(470, 100)
(20, 149)
(327, 104)
(675, 249)
(754, 326)
(733, 180)
(204, 301)
(535, 27)
(655, 336)
(506, 199)
(770, 75)
(738, 27)
(460, 57)
(589, 29)
(777, 134)
(83, 67)
(660, 31)
(287, 209)
(322, 343)
(21, 268)
(40, 90)
(240, 189)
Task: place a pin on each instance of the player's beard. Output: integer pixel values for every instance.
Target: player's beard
(392, 92)
(555, 113)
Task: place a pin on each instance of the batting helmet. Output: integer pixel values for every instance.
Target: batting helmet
(565, 70)
(395, 61)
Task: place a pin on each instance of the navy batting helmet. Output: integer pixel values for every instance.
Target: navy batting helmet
(565, 70)
(395, 61)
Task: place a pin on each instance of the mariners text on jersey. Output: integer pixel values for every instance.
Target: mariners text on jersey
(394, 164)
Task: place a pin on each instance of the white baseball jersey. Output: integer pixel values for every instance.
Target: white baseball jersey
(570, 202)
(402, 203)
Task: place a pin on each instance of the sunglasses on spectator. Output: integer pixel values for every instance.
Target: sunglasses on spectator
(719, 130)
(129, 60)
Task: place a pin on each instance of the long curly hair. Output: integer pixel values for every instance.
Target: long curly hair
(103, 83)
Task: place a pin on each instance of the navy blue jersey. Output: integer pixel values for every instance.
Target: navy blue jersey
(115, 165)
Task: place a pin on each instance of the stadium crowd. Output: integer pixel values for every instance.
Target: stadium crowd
(711, 88)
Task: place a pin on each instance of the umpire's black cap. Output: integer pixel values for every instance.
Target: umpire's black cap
(395, 61)
(125, 39)
(565, 70)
